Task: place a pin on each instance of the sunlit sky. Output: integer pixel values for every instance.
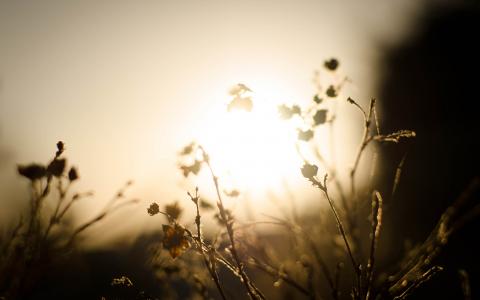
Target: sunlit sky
(126, 84)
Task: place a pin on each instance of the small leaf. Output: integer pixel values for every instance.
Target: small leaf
(320, 116)
(331, 92)
(241, 103)
(195, 168)
(205, 204)
(232, 193)
(72, 174)
(153, 209)
(296, 110)
(309, 171)
(174, 211)
(188, 149)
(331, 64)
(239, 89)
(56, 167)
(32, 171)
(305, 135)
(60, 148)
(285, 112)
(317, 99)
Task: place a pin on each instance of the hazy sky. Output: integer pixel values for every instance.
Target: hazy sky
(127, 83)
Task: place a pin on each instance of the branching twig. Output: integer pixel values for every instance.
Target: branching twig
(363, 143)
(324, 189)
(209, 264)
(250, 287)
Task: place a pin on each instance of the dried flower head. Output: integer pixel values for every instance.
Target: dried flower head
(32, 171)
(153, 209)
(174, 240)
(60, 148)
(72, 174)
(331, 64)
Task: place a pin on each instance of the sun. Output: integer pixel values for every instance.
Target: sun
(251, 148)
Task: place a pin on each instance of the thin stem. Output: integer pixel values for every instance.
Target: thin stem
(282, 275)
(98, 218)
(54, 219)
(323, 266)
(251, 289)
(338, 270)
(320, 261)
(209, 264)
(324, 189)
(398, 174)
(365, 140)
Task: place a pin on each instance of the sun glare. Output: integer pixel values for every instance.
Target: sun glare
(251, 150)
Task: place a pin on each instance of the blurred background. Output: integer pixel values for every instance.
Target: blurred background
(127, 84)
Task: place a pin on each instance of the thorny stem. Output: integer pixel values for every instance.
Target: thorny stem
(252, 291)
(209, 264)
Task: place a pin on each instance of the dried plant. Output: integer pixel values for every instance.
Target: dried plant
(308, 268)
(43, 236)
(316, 255)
